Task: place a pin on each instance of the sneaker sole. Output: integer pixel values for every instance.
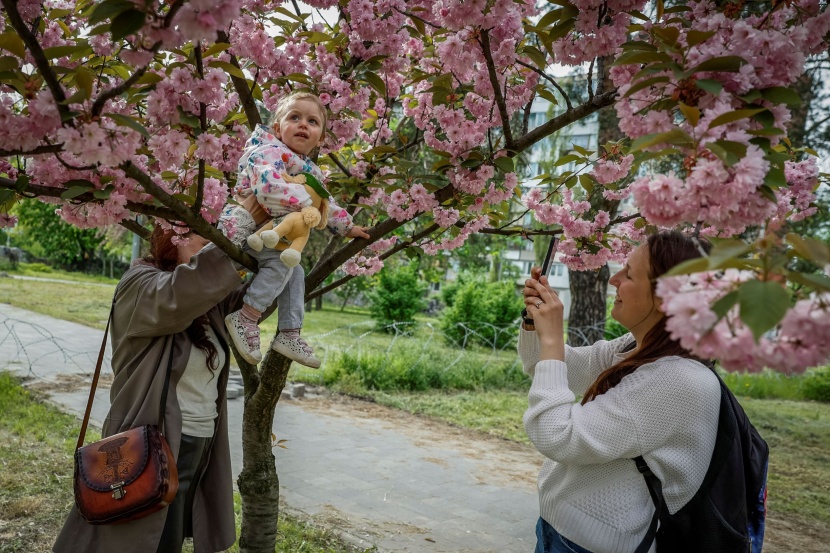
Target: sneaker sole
(290, 354)
(240, 347)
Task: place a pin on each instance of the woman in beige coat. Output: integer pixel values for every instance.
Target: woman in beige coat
(173, 303)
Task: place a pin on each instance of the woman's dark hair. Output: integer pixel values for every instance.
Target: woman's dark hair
(665, 250)
(164, 255)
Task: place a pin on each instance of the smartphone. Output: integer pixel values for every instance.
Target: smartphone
(554, 245)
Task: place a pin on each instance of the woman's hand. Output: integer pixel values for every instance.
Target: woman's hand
(545, 308)
(357, 232)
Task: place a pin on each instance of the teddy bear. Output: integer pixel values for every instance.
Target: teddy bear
(295, 228)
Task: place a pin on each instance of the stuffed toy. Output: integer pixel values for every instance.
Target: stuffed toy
(292, 233)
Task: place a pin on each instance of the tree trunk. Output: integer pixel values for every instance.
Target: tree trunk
(586, 323)
(259, 485)
(318, 302)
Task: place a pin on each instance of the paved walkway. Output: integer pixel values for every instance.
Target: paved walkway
(380, 476)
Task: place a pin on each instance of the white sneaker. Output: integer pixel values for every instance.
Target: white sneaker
(295, 349)
(245, 336)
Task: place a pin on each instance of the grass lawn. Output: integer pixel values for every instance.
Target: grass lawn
(36, 447)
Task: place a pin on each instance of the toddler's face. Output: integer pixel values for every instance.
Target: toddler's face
(301, 128)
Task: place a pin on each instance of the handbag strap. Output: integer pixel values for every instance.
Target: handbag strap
(97, 373)
(655, 489)
(95, 376)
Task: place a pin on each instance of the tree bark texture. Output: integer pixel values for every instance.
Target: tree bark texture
(259, 485)
(586, 323)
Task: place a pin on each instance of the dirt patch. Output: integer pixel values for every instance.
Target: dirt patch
(65, 383)
(785, 535)
(363, 528)
(501, 462)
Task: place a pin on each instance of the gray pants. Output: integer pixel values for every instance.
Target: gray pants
(277, 281)
(274, 281)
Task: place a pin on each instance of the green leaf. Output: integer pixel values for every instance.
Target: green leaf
(85, 80)
(723, 305)
(61, 51)
(228, 68)
(9, 63)
(641, 56)
(676, 137)
(690, 266)
(587, 183)
(536, 56)
(709, 85)
(109, 9)
(732, 116)
(103, 194)
(128, 121)
(76, 187)
(775, 178)
(10, 42)
(763, 305)
(691, 113)
(810, 249)
(645, 83)
(215, 49)
(505, 164)
(724, 63)
(693, 37)
(564, 160)
(667, 35)
(548, 95)
(727, 249)
(127, 23)
(815, 281)
(315, 37)
(375, 82)
(728, 151)
(781, 95)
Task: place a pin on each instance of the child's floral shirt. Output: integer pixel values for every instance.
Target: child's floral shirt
(261, 167)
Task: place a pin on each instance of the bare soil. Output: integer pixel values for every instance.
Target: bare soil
(512, 463)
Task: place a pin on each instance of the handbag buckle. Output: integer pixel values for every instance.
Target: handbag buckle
(118, 491)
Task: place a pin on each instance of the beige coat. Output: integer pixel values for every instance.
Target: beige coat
(152, 311)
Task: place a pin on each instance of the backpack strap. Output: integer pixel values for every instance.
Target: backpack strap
(655, 489)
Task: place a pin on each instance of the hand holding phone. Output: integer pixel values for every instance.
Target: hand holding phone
(551, 253)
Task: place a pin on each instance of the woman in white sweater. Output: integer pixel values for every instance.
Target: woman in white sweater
(655, 400)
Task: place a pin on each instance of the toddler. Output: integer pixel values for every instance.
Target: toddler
(264, 192)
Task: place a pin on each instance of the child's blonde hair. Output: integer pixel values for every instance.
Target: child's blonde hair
(284, 104)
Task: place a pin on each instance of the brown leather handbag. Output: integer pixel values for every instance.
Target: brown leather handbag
(128, 475)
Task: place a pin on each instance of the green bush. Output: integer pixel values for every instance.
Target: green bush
(37, 267)
(816, 384)
(413, 367)
(484, 313)
(398, 296)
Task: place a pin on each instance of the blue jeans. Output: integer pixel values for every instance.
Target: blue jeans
(549, 540)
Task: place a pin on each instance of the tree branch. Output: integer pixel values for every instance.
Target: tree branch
(133, 226)
(35, 190)
(39, 57)
(200, 181)
(390, 252)
(339, 163)
(324, 268)
(494, 82)
(246, 98)
(598, 102)
(184, 214)
(549, 79)
(44, 149)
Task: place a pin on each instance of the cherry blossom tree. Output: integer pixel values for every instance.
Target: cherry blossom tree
(118, 108)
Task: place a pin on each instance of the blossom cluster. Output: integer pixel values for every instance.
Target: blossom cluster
(801, 339)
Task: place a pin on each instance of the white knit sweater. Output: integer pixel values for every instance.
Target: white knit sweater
(589, 488)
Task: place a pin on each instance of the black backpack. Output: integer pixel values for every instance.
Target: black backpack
(727, 513)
